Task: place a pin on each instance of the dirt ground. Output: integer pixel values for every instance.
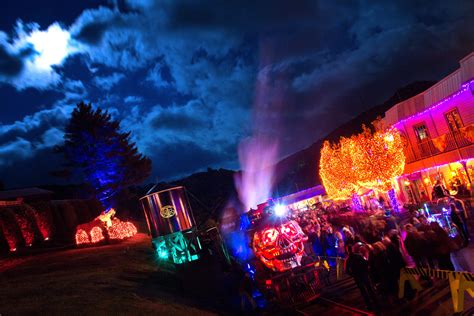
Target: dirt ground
(111, 279)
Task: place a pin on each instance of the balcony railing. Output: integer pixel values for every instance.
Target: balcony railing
(426, 148)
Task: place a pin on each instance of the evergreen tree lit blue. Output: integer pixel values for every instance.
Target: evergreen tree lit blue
(105, 157)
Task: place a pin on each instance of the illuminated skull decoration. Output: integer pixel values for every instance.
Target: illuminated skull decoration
(280, 247)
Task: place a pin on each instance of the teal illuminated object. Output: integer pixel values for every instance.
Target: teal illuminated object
(178, 247)
(171, 225)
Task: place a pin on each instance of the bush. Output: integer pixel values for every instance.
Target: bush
(26, 221)
(82, 211)
(44, 219)
(10, 229)
(4, 248)
(95, 207)
(65, 220)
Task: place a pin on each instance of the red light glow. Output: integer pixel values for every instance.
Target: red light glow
(121, 230)
(280, 247)
(96, 234)
(81, 237)
(100, 230)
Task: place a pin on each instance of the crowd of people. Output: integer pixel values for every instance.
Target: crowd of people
(375, 248)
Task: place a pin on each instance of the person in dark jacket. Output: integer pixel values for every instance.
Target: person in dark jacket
(358, 268)
(439, 191)
(457, 219)
(395, 262)
(416, 245)
(378, 262)
(444, 247)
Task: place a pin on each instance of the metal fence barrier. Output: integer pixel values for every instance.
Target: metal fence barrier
(459, 282)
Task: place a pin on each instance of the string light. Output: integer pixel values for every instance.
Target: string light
(393, 200)
(121, 230)
(356, 202)
(108, 228)
(336, 169)
(364, 161)
(464, 88)
(96, 234)
(82, 237)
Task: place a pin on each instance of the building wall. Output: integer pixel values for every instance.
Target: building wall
(425, 163)
(444, 88)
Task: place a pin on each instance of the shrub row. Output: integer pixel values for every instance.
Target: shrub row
(53, 221)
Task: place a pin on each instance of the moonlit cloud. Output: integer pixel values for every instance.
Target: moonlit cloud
(107, 82)
(133, 99)
(36, 52)
(15, 150)
(51, 46)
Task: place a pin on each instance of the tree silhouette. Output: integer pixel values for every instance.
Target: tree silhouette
(106, 158)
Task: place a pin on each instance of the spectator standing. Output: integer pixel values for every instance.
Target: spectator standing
(358, 268)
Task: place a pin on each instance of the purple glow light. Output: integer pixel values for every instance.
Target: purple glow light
(464, 88)
(356, 202)
(393, 200)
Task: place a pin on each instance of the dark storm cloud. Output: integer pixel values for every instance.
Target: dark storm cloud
(92, 33)
(178, 159)
(190, 72)
(31, 169)
(179, 121)
(11, 64)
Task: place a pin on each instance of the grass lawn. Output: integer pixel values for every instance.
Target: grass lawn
(111, 279)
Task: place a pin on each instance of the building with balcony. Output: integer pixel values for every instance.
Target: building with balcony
(437, 126)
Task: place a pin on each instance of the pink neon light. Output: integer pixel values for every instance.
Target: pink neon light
(464, 88)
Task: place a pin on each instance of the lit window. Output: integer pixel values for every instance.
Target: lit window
(421, 132)
(454, 120)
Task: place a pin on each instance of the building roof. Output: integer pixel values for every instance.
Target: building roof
(22, 193)
(303, 195)
(445, 88)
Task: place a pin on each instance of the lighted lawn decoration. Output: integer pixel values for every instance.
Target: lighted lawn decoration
(171, 224)
(280, 247)
(104, 227)
(370, 160)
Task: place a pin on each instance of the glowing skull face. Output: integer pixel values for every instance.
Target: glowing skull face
(280, 247)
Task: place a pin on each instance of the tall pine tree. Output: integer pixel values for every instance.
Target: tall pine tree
(106, 158)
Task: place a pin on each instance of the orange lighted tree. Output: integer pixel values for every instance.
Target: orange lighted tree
(368, 160)
(336, 169)
(378, 158)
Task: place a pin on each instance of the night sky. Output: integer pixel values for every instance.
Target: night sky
(184, 76)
